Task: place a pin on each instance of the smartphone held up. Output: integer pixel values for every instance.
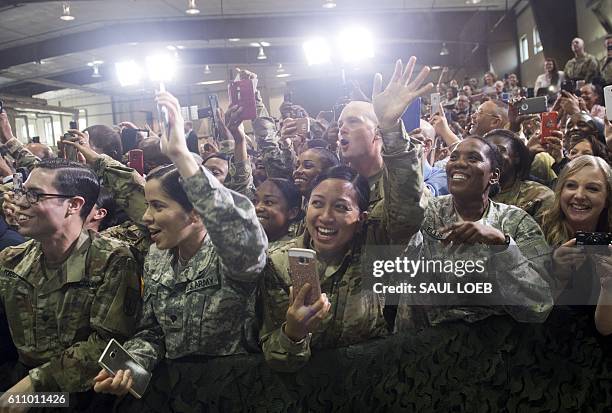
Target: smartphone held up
(303, 270)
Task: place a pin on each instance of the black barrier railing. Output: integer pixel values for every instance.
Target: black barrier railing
(493, 365)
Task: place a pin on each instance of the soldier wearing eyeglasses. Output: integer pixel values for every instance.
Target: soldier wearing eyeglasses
(67, 291)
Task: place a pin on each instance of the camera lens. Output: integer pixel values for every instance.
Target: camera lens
(113, 354)
(524, 106)
(302, 260)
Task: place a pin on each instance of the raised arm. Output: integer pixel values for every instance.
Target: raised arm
(404, 204)
(229, 217)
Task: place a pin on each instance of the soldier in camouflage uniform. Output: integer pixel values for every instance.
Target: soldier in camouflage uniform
(68, 291)
(345, 313)
(201, 273)
(515, 189)
(582, 66)
(515, 253)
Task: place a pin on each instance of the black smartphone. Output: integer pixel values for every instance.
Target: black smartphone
(593, 238)
(569, 86)
(74, 124)
(129, 139)
(412, 116)
(1, 106)
(532, 106)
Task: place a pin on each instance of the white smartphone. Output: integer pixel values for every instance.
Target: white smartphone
(608, 100)
(162, 111)
(115, 358)
(303, 269)
(435, 103)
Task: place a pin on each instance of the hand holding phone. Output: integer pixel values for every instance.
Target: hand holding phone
(136, 160)
(303, 269)
(308, 307)
(549, 124)
(242, 93)
(70, 153)
(115, 358)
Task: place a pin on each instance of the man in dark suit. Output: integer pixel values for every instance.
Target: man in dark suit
(192, 138)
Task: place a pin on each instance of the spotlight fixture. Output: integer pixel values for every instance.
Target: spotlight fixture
(66, 16)
(95, 65)
(317, 51)
(355, 44)
(128, 73)
(329, 4)
(207, 70)
(280, 68)
(261, 55)
(444, 51)
(192, 8)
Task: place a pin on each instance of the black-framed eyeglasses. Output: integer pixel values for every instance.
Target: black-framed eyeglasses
(34, 197)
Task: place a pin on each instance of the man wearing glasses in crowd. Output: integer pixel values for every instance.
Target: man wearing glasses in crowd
(67, 291)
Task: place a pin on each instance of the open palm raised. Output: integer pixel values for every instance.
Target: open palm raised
(390, 104)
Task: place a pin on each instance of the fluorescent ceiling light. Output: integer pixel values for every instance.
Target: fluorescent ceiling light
(233, 39)
(329, 4)
(210, 82)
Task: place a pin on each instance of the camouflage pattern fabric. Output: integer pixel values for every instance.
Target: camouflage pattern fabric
(582, 68)
(279, 162)
(494, 365)
(61, 319)
(531, 197)
(126, 185)
(542, 168)
(23, 157)
(241, 178)
(207, 306)
(520, 271)
(356, 315)
(134, 235)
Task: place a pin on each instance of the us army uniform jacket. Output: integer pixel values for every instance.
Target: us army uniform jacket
(356, 312)
(531, 197)
(208, 308)
(518, 271)
(61, 319)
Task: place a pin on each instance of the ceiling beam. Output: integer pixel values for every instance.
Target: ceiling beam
(427, 53)
(423, 26)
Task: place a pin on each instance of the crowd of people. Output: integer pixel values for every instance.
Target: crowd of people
(191, 260)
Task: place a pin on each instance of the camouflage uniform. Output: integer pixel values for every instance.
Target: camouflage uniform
(62, 318)
(518, 270)
(240, 178)
(542, 168)
(531, 197)
(582, 68)
(357, 313)
(134, 235)
(207, 306)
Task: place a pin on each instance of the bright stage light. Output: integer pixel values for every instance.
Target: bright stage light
(161, 67)
(129, 73)
(355, 44)
(317, 51)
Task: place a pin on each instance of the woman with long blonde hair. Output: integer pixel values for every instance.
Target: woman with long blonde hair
(583, 203)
